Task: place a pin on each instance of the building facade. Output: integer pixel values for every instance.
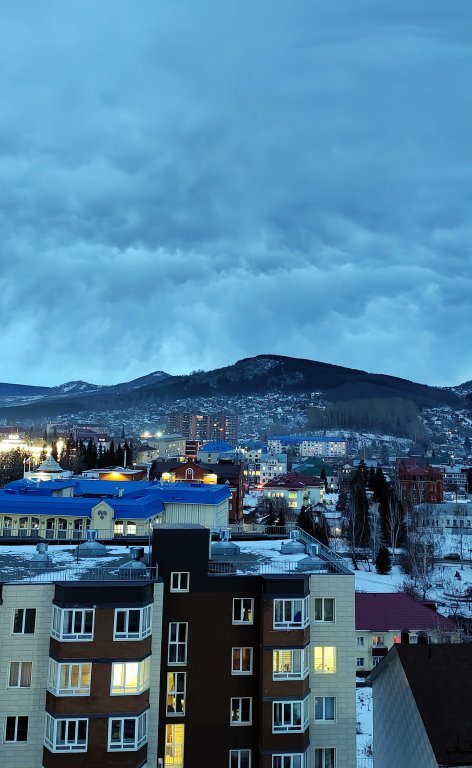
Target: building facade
(305, 446)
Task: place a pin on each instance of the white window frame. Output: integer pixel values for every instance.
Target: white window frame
(179, 581)
(174, 691)
(59, 616)
(324, 670)
(376, 660)
(323, 718)
(21, 667)
(294, 760)
(379, 641)
(174, 752)
(286, 611)
(177, 644)
(291, 712)
(70, 745)
(287, 659)
(360, 642)
(239, 708)
(16, 740)
(140, 733)
(320, 608)
(360, 663)
(145, 621)
(236, 669)
(242, 756)
(125, 668)
(55, 672)
(240, 610)
(24, 614)
(320, 757)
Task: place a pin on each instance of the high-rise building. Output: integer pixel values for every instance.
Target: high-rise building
(200, 426)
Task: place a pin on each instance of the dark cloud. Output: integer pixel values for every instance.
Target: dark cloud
(184, 184)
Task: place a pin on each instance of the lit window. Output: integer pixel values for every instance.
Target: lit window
(325, 659)
(67, 735)
(379, 640)
(69, 679)
(16, 729)
(290, 664)
(290, 716)
(241, 711)
(130, 677)
(177, 650)
(20, 674)
(241, 661)
(325, 708)
(296, 760)
(176, 693)
(291, 614)
(243, 610)
(325, 758)
(132, 623)
(72, 624)
(175, 736)
(240, 758)
(179, 581)
(24, 620)
(324, 609)
(127, 733)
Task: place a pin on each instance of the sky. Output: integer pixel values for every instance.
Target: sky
(184, 184)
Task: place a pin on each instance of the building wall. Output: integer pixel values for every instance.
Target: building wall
(367, 651)
(211, 516)
(28, 702)
(399, 735)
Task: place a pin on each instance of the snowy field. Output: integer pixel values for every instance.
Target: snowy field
(364, 716)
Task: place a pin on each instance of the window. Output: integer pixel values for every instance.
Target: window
(132, 623)
(130, 677)
(68, 735)
(291, 614)
(325, 708)
(324, 609)
(176, 693)
(379, 640)
(72, 623)
(376, 660)
(20, 674)
(325, 758)
(177, 651)
(360, 641)
(16, 729)
(288, 761)
(325, 659)
(69, 679)
(360, 661)
(290, 664)
(241, 661)
(243, 610)
(127, 733)
(240, 758)
(241, 711)
(175, 736)
(24, 620)
(290, 716)
(179, 581)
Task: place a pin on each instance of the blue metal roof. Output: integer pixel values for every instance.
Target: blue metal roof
(217, 446)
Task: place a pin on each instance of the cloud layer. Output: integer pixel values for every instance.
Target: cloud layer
(184, 184)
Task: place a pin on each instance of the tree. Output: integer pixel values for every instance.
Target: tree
(356, 515)
(271, 518)
(419, 558)
(54, 450)
(321, 527)
(11, 466)
(383, 561)
(305, 521)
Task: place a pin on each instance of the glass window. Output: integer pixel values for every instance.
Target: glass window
(177, 650)
(176, 693)
(130, 677)
(360, 641)
(67, 735)
(127, 733)
(325, 659)
(325, 708)
(288, 663)
(16, 729)
(24, 620)
(360, 661)
(243, 610)
(325, 758)
(324, 609)
(69, 679)
(240, 758)
(174, 755)
(20, 674)
(241, 661)
(132, 623)
(296, 760)
(179, 581)
(291, 614)
(290, 716)
(72, 623)
(241, 711)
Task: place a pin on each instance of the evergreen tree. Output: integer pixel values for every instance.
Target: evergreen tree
(383, 561)
(305, 521)
(111, 454)
(128, 451)
(321, 528)
(119, 456)
(371, 480)
(54, 450)
(271, 518)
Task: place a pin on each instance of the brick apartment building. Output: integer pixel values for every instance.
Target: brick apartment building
(203, 427)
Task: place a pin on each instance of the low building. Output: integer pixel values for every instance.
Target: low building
(386, 619)
(419, 484)
(423, 707)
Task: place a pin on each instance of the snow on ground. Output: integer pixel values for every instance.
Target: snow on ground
(364, 717)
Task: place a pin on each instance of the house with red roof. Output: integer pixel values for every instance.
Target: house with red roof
(386, 619)
(297, 490)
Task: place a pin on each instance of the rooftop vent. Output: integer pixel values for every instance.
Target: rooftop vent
(92, 547)
(41, 559)
(225, 547)
(292, 546)
(134, 568)
(311, 563)
(294, 535)
(225, 534)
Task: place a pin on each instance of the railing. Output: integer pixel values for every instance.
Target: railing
(257, 567)
(364, 762)
(81, 572)
(50, 534)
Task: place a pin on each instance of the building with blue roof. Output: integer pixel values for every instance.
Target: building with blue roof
(66, 509)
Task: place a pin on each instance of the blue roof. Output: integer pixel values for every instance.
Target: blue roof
(217, 446)
(289, 439)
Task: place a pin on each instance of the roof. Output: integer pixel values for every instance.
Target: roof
(292, 480)
(289, 439)
(216, 446)
(49, 465)
(440, 679)
(384, 612)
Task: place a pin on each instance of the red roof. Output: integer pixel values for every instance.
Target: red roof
(380, 611)
(294, 480)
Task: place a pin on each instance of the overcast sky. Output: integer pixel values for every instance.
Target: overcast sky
(183, 184)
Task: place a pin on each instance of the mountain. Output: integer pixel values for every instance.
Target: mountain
(254, 375)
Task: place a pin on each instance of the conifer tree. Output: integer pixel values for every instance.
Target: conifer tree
(383, 561)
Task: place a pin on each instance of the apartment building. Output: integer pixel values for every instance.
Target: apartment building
(204, 426)
(306, 446)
